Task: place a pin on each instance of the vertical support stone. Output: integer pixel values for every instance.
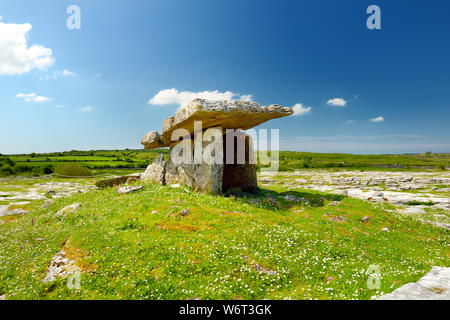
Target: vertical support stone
(239, 175)
(200, 177)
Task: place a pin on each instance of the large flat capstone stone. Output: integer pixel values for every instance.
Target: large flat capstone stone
(226, 114)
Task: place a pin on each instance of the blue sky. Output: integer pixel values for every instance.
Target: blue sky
(92, 90)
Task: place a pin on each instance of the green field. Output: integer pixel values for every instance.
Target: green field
(298, 160)
(139, 246)
(288, 161)
(37, 164)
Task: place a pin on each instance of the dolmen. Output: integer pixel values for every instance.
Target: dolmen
(209, 152)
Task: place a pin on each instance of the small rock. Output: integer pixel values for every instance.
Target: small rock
(257, 267)
(51, 192)
(337, 219)
(263, 270)
(295, 199)
(3, 297)
(116, 181)
(175, 185)
(345, 193)
(385, 229)
(154, 212)
(364, 219)
(132, 179)
(60, 267)
(291, 198)
(129, 189)
(274, 202)
(334, 203)
(46, 204)
(69, 208)
(185, 212)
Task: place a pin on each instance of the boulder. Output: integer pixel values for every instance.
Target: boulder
(152, 140)
(295, 199)
(435, 285)
(117, 181)
(155, 171)
(128, 189)
(61, 267)
(67, 209)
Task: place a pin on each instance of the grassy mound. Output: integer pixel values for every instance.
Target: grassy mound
(144, 246)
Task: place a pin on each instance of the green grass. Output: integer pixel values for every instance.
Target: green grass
(419, 203)
(133, 252)
(290, 160)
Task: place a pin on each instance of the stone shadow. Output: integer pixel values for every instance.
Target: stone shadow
(274, 200)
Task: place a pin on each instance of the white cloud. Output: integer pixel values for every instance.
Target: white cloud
(15, 55)
(32, 97)
(173, 96)
(67, 73)
(337, 102)
(86, 109)
(246, 97)
(1, 17)
(57, 74)
(352, 121)
(300, 110)
(377, 119)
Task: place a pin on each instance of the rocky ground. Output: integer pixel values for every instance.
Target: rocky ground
(435, 285)
(19, 195)
(424, 194)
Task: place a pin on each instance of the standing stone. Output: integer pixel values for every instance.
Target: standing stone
(240, 176)
(200, 177)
